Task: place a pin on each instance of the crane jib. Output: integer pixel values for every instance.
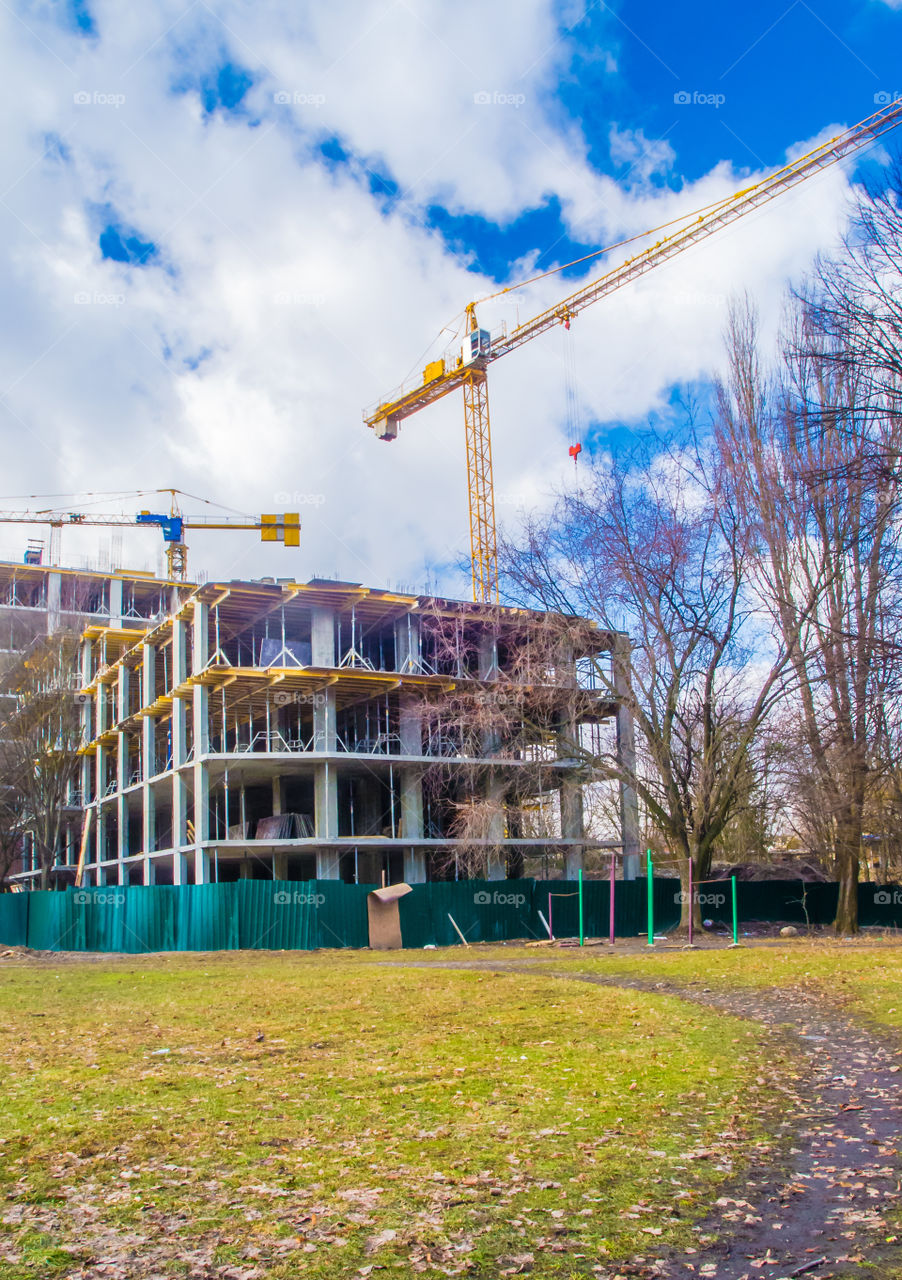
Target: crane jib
(469, 373)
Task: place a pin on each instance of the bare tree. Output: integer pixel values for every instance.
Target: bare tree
(39, 737)
(807, 451)
(511, 693)
(654, 546)
(855, 297)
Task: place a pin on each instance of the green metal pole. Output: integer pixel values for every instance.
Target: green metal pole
(735, 917)
(651, 899)
(582, 936)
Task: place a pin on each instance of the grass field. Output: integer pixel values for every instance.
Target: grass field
(866, 977)
(254, 1115)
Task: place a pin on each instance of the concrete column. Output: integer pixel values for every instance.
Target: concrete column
(626, 754)
(496, 868)
(412, 825)
(115, 587)
(179, 827)
(88, 710)
(87, 721)
(200, 654)
(488, 656)
(179, 753)
(571, 794)
(572, 827)
(122, 773)
(179, 708)
(100, 709)
(322, 637)
(100, 769)
(148, 767)
(54, 593)
(408, 644)
(410, 725)
(325, 721)
(201, 819)
(280, 858)
(200, 721)
(325, 794)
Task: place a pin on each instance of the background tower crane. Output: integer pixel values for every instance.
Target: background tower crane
(467, 367)
(273, 528)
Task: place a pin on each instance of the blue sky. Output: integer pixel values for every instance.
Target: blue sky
(712, 88)
(760, 77)
(228, 228)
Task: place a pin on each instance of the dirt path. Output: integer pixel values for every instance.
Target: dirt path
(821, 1211)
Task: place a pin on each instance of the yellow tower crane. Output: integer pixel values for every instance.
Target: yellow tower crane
(467, 368)
(284, 528)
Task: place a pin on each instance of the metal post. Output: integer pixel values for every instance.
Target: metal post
(611, 894)
(582, 936)
(691, 900)
(651, 898)
(735, 916)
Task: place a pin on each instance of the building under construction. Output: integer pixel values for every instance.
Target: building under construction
(319, 731)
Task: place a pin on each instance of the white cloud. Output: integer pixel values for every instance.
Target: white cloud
(287, 298)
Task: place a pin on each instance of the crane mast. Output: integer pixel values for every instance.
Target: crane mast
(468, 368)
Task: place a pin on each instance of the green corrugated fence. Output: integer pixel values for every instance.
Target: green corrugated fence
(292, 916)
(14, 919)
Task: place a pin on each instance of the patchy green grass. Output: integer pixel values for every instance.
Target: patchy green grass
(265, 1116)
(864, 976)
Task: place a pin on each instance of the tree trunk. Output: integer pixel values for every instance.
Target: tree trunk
(847, 857)
(690, 907)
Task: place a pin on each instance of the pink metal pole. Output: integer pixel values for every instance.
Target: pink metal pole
(550, 925)
(691, 900)
(611, 894)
